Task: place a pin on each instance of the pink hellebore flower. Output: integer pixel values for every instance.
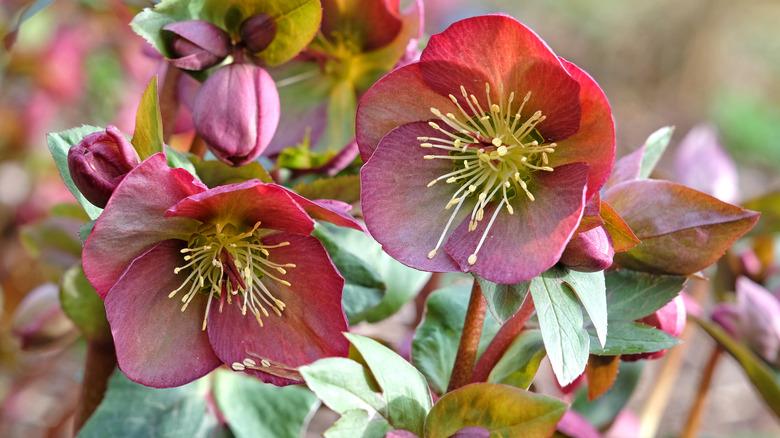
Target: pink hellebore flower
(489, 148)
(193, 277)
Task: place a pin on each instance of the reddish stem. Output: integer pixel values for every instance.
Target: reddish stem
(504, 338)
(422, 297)
(697, 407)
(100, 363)
(469, 339)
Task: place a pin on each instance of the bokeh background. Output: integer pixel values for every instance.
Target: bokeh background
(661, 62)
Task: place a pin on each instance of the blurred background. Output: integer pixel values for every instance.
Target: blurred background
(660, 62)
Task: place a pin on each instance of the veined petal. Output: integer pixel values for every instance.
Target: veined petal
(157, 344)
(521, 246)
(309, 328)
(328, 210)
(134, 219)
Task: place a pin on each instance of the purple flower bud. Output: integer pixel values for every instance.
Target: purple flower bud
(759, 319)
(257, 32)
(670, 319)
(589, 251)
(236, 112)
(39, 321)
(99, 163)
(197, 44)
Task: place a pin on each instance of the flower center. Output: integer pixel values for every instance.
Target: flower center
(494, 153)
(224, 264)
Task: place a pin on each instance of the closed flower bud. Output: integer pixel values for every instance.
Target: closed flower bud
(196, 44)
(236, 112)
(257, 32)
(589, 251)
(99, 163)
(670, 319)
(39, 321)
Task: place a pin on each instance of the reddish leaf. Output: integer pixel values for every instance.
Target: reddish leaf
(623, 238)
(601, 372)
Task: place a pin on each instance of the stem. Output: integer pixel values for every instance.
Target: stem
(469, 339)
(422, 297)
(697, 407)
(100, 363)
(504, 338)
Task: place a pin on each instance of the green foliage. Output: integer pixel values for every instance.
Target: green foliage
(503, 299)
(603, 411)
(82, 304)
(59, 145)
(343, 188)
(520, 362)
(214, 173)
(148, 134)
(436, 340)
(179, 160)
(653, 149)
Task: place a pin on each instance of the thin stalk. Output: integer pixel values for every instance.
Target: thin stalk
(697, 407)
(469, 339)
(100, 363)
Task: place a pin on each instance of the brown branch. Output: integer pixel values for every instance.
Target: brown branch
(469, 339)
(697, 407)
(100, 363)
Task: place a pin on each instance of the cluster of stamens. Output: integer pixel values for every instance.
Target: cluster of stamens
(225, 265)
(493, 153)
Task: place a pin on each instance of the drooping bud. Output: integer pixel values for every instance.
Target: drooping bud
(236, 112)
(257, 32)
(589, 251)
(196, 44)
(39, 321)
(99, 163)
(670, 319)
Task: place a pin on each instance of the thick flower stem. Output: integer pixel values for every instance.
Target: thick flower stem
(100, 363)
(504, 338)
(697, 407)
(469, 339)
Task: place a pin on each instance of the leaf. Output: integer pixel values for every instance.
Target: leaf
(405, 390)
(132, 410)
(763, 378)
(30, 9)
(591, 291)
(59, 145)
(601, 373)
(83, 305)
(503, 299)
(518, 365)
(53, 240)
(561, 322)
(85, 230)
(623, 238)
(769, 207)
(634, 295)
(343, 188)
(357, 423)
(633, 338)
(654, 147)
(179, 160)
(253, 408)
(602, 412)
(148, 134)
(340, 127)
(505, 411)
(215, 173)
(436, 339)
(684, 232)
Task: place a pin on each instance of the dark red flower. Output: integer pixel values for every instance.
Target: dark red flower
(194, 277)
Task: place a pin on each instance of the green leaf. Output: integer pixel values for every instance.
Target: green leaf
(763, 378)
(85, 230)
(561, 322)
(148, 134)
(132, 410)
(216, 173)
(340, 128)
(505, 411)
(357, 423)
(59, 145)
(633, 295)
(52, 239)
(343, 188)
(769, 207)
(503, 299)
(654, 148)
(149, 22)
(179, 160)
(253, 408)
(518, 365)
(374, 268)
(591, 290)
(436, 339)
(603, 411)
(83, 305)
(405, 390)
(632, 338)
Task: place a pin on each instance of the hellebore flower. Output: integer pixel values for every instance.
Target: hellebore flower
(670, 318)
(489, 148)
(99, 163)
(196, 44)
(194, 277)
(716, 175)
(236, 112)
(39, 321)
(589, 251)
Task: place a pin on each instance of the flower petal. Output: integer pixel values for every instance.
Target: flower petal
(134, 220)
(594, 143)
(400, 97)
(401, 213)
(523, 245)
(156, 343)
(310, 327)
(244, 204)
(328, 210)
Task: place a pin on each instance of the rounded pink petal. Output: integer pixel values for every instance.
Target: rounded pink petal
(521, 246)
(156, 343)
(401, 213)
(594, 143)
(309, 328)
(328, 210)
(134, 219)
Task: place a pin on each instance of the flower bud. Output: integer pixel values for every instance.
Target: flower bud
(197, 44)
(236, 112)
(589, 251)
(670, 319)
(99, 163)
(257, 32)
(39, 321)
